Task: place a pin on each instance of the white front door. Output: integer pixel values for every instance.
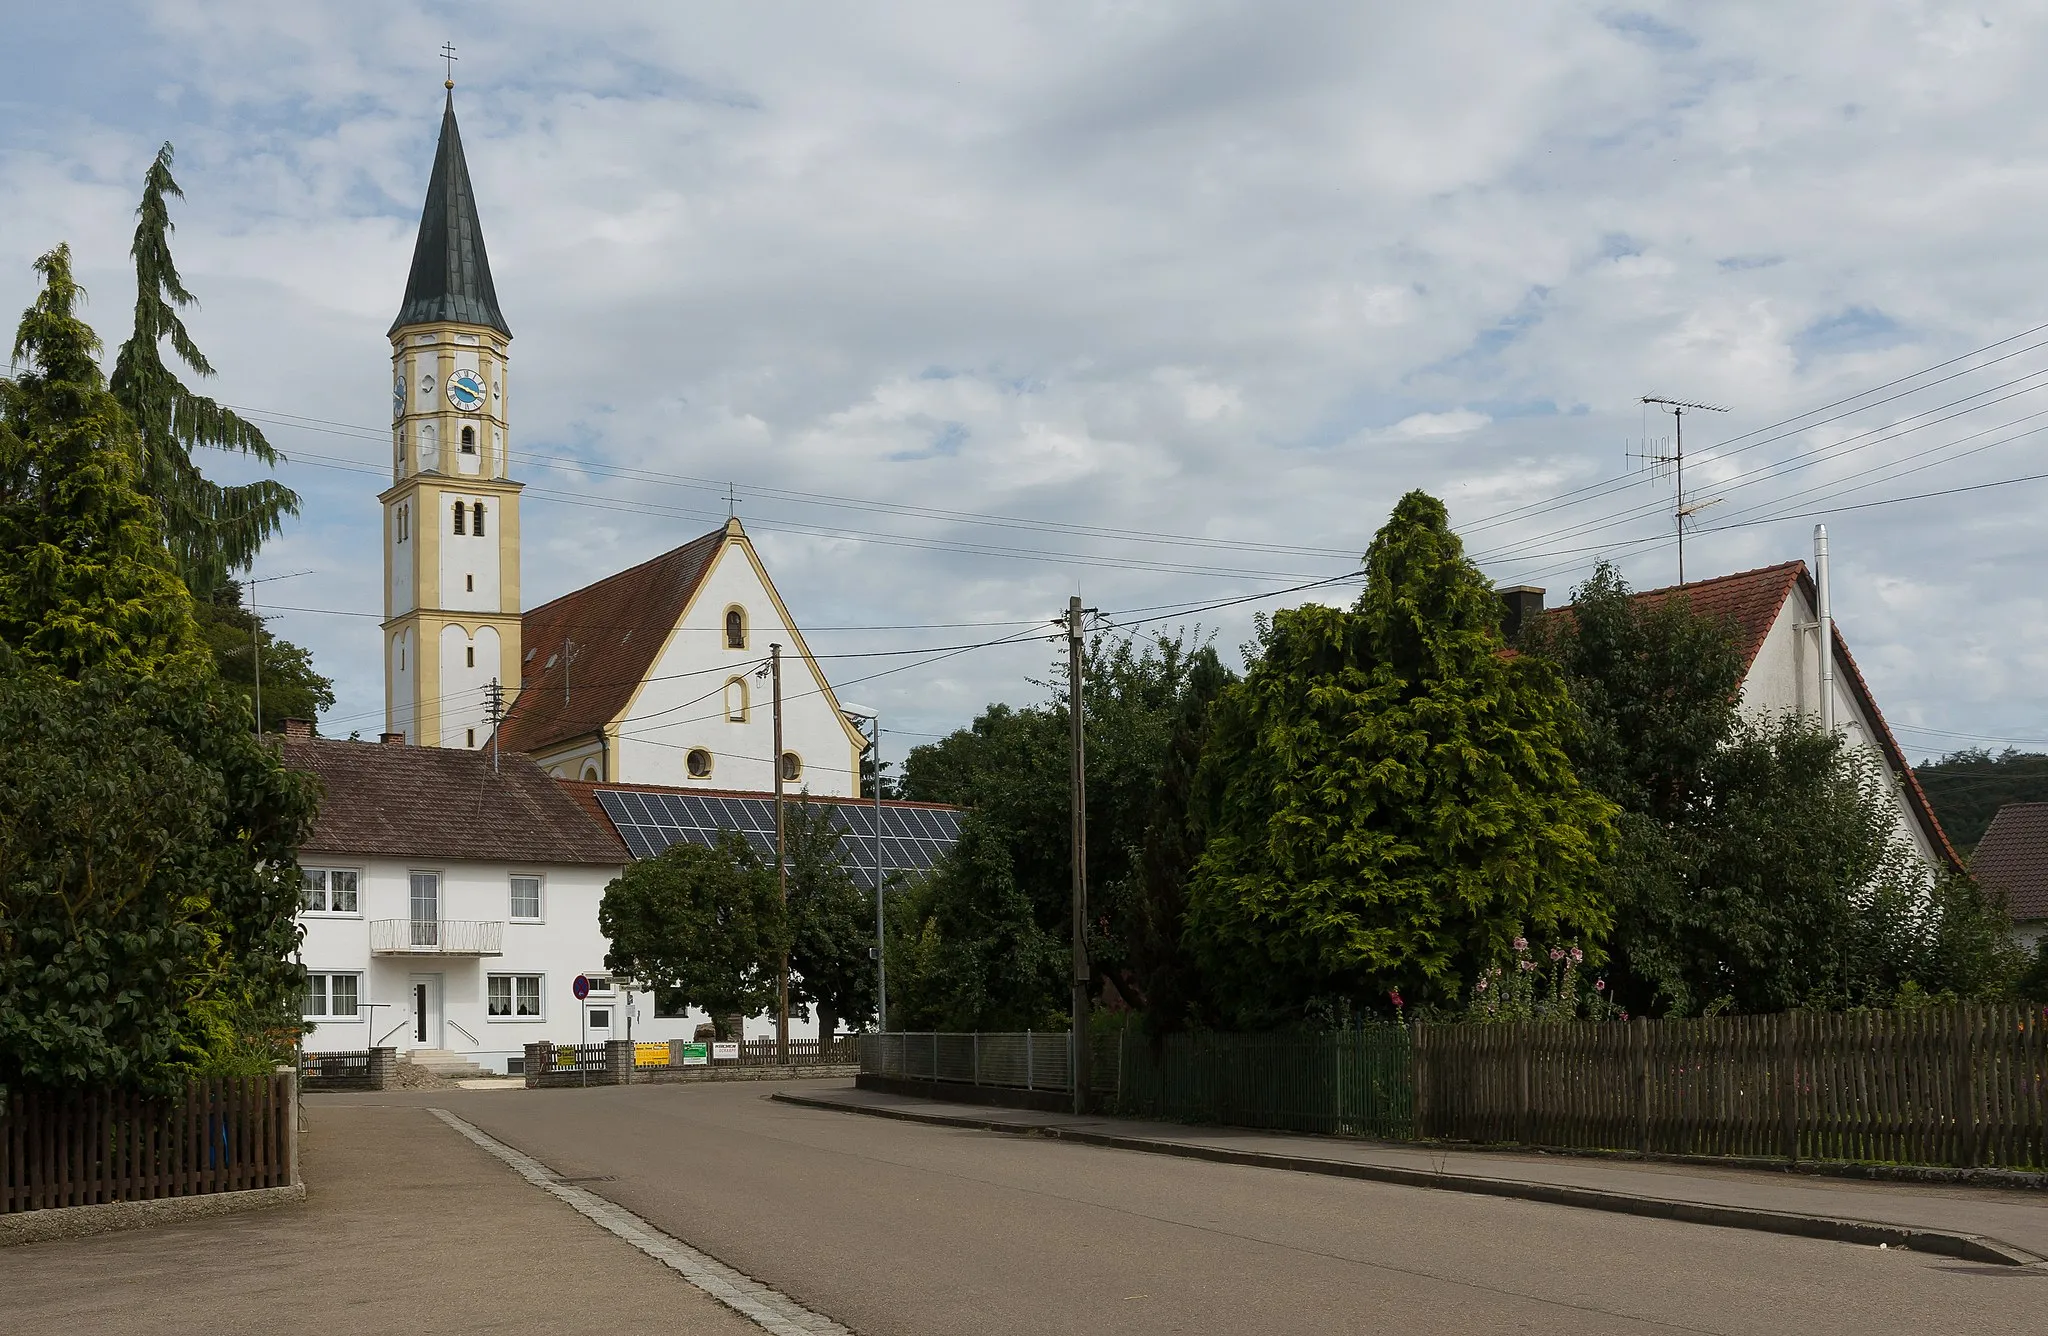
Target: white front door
(424, 990)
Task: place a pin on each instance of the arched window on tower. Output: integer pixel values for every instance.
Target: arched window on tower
(478, 529)
(469, 440)
(459, 511)
(735, 629)
(736, 700)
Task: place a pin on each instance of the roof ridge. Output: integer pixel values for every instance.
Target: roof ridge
(537, 609)
(1788, 567)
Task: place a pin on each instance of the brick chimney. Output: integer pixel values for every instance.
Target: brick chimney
(392, 739)
(1522, 604)
(298, 728)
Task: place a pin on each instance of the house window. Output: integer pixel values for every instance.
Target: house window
(512, 997)
(333, 996)
(735, 628)
(698, 763)
(590, 775)
(478, 527)
(736, 700)
(600, 984)
(469, 440)
(328, 890)
(792, 767)
(469, 583)
(460, 510)
(526, 898)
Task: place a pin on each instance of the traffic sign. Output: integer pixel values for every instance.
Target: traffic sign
(581, 987)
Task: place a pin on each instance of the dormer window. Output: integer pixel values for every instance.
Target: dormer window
(735, 628)
(469, 440)
(461, 511)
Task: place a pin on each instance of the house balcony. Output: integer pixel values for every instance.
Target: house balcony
(437, 937)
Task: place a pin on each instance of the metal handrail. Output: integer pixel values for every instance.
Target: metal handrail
(457, 1027)
(394, 1030)
(437, 937)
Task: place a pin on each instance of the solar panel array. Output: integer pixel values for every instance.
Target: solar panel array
(914, 839)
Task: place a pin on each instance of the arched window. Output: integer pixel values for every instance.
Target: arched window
(735, 628)
(459, 509)
(590, 775)
(698, 763)
(792, 767)
(469, 440)
(478, 529)
(736, 700)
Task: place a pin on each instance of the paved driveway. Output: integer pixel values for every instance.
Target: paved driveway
(901, 1228)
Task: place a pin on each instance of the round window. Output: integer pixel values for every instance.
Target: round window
(698, 762)
(792, 766)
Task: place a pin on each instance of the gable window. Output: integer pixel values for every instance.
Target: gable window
(478, 527)
(526, 898)
(735, 628)
(792, 767)
(736, 700)
(328, 890)
(698, 763)
(333, 996)
(469, 440)
(513, 997)
(460, 510)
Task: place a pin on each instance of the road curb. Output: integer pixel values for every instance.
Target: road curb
(73, 1222)
(1968, 1247)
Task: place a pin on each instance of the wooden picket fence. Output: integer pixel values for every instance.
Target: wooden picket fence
(223, 1134)
(1950, 1086)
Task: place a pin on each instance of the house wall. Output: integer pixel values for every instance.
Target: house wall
(1785, 679)
(565, 943)
(683, 704)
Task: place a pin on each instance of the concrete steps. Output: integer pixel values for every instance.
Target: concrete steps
(441, 1062)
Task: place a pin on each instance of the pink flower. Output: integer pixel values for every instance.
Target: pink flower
(1526, 965)
(1556, 953)
(1599, 985)
(1577, 955)
(1396, 995)
(1624, 1015)
(1521, 944)
(1479, 987)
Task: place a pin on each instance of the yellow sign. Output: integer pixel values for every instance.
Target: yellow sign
(650, 1055)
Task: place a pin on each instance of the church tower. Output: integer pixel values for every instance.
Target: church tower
(451, 514)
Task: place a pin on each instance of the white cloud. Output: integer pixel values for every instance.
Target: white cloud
(1160, 270)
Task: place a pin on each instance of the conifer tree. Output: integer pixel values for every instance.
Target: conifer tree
(1394, 804)
(209, 529)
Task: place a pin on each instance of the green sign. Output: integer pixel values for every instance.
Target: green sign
(695, 1055)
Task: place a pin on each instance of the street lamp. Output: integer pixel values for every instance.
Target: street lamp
(874, 719)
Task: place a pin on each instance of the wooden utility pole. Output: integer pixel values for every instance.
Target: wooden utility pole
(781, 863)
(1078, 796)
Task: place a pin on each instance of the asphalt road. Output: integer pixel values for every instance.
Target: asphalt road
(893, 1228)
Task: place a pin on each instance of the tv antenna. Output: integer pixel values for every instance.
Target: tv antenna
(1681, 510)
(494, 710)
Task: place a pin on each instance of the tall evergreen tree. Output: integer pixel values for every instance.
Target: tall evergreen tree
(1395, 804)
(209, 529)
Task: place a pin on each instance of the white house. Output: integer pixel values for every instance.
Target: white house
(1775, 616)
(450, 905)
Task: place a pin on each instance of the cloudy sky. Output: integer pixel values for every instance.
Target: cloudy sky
(978, 306)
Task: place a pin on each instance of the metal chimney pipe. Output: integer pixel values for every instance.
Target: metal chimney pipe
(1826, 627)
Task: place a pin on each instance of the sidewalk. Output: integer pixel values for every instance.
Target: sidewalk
(2005, 1226)
(406, 1227)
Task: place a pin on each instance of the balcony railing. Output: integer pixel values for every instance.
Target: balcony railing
(437, 937)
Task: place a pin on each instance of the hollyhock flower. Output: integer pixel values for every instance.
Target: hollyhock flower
(1556, 953)
(1599, 985)
(1521, 944)
(1396, 996)
(1578, 956)
(1527, 965)
(1479, 987)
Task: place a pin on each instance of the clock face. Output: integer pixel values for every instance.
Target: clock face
(398, 396)
(466, 390)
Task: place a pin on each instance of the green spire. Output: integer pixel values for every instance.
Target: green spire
(451, 275)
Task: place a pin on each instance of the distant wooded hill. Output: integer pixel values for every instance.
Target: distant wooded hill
(1968, 787)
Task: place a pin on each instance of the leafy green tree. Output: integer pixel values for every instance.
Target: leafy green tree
(1395, 803)
(1968, 787)
(966, 951)
(84, 581)
(292, 688)
(209, 529)
(702, 926)
(148, 878)
(831, 922)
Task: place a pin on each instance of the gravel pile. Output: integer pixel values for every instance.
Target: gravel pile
(411, 1076)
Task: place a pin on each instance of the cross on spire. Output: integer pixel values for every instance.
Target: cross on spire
(448, 55)
(732, 503)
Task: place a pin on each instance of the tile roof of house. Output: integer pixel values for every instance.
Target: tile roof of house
(442, 802)
(618, 626)
(1750, 602)
(2012, 859)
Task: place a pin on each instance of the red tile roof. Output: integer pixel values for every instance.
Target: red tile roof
(444, 802)
(2012, 859)
(618, 627)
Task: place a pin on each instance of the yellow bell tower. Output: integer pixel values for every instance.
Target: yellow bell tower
(451, 514)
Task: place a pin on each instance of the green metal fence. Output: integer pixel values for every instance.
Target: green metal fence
(1353, 1083)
